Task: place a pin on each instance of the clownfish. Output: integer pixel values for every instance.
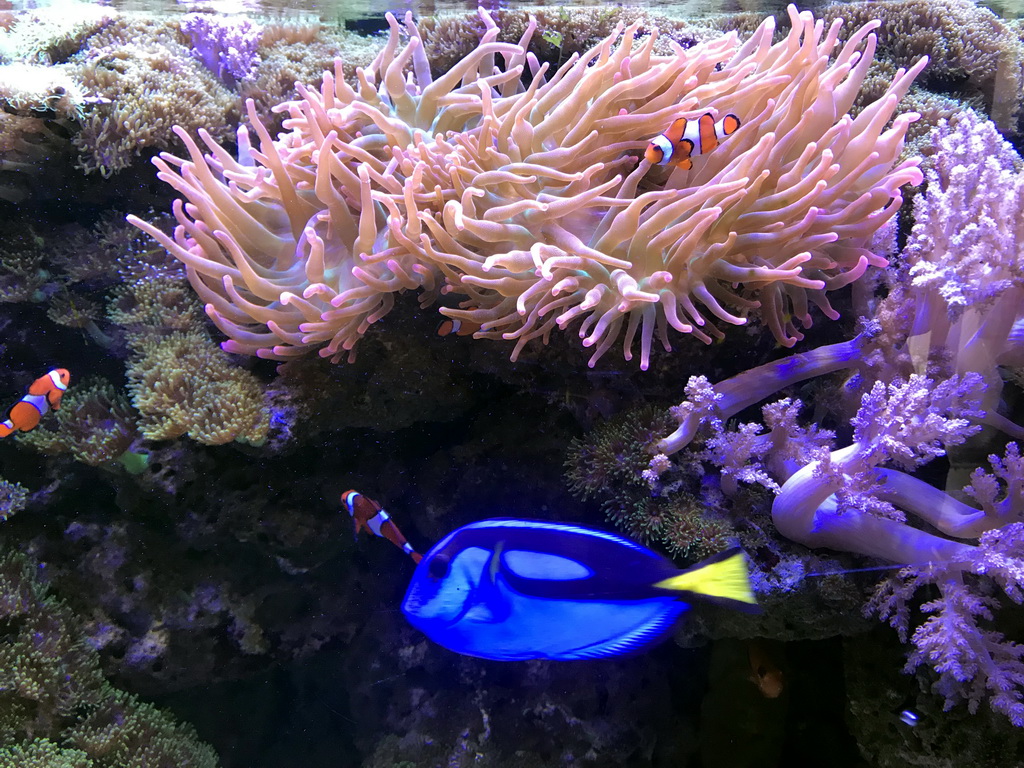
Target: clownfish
(512, 590)
(44, 393)
(686, 138)
(368, 515)
(459, 327)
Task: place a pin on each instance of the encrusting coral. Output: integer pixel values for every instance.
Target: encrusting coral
(520, 198)
(95, 424)
(183, 384)
(57, 709)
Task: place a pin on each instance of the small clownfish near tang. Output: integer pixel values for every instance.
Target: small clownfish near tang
(44, 393)
(512, 590)
(368, 515)
(686, 138)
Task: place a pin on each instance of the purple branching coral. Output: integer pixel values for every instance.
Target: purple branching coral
(925, 376)
(228, 47)
(972, 660)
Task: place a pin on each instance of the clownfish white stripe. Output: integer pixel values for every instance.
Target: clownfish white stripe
(55, 378)
(38, 402)
(376, 522)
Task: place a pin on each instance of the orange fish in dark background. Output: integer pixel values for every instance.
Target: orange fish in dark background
(765, 673)
(43, 394)
(369, 516)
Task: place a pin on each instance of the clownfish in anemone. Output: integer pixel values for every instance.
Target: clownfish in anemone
(686, 138)
(454, 326)
(43, 394)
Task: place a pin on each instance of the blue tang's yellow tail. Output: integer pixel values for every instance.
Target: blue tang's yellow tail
(723, 578)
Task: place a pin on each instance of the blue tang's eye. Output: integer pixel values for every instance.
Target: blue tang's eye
(440, 566)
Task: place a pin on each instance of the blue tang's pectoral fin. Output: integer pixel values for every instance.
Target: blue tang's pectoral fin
(489, 605)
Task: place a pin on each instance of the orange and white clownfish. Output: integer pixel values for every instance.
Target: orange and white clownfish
(44, 393)
(459, 327)
(370, 516)
(687, 138)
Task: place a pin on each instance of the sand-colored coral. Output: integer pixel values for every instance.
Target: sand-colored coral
(150, 82)
(966, 43)
(300, 54)
(51, 34)
(155, 304)
(183, 384)
(32, 90)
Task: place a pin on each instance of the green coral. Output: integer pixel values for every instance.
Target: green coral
(607, 466)
(608, 462)
(127, 733)
(680, 523)
(96, 425)
(13, 497)
(43, 753)
(56, 708)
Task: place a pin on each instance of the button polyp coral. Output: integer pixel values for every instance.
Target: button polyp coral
(524, 197)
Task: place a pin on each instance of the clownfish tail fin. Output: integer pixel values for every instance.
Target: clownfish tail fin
(5, 429)
(723, 578)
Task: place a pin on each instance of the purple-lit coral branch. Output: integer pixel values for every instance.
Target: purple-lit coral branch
(831, 502)
(724, 400)
(954, 312)
(228, 47)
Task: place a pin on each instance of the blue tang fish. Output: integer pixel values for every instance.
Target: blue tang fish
(512, 590)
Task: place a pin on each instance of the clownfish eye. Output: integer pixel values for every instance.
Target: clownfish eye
(440, 566)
